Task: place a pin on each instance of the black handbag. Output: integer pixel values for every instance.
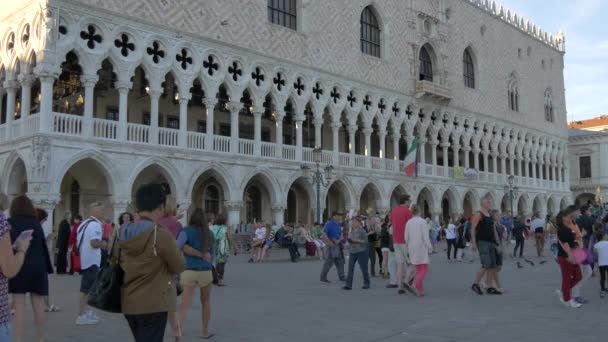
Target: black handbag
(105, 294)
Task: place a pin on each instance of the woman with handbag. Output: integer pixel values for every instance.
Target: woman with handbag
(223, 244)
(570, 242)
(197, 243)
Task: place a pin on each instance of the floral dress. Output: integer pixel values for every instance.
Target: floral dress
(5, 314)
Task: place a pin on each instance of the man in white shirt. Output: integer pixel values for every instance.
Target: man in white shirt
(89, 243)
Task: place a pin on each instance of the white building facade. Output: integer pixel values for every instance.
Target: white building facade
(223, 101)
(588, 151)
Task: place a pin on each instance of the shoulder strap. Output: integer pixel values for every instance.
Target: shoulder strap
(84, 229)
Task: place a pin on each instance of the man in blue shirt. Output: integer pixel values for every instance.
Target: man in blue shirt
(332, 238)
(507, 221)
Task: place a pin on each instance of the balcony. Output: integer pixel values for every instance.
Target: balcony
(433, 90)
(101, 130)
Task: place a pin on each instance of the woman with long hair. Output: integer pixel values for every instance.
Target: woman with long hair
(223, 243)
(570, 240)
(33, 277)
(197, 244)
(11, 261)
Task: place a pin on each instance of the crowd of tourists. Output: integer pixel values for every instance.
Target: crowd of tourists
(162, 260)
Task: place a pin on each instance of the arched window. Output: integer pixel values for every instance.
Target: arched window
(283, 12)
(549, 105)
(212, 200)
(468, 70)
(426, 65)
(370, 32)
(513, 93)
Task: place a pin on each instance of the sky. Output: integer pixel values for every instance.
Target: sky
(586, 59)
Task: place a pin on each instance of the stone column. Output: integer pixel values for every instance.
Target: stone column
(26, 96)
(484, 155)
(46, 102)
(494, 163)
(512, 165)
(89, 82)
(155, 94)
(183, 119)
(525, 167)
(476, 159)
(445, 147)
(257, 130)
(318, 122)
(123, 120)
(422, 150)
(299, 123)
(352, 130)
(234, 107)
(396, 138)
(503, 164)
(367, 131)
(278, 211)
(184, 210)
(280, 114)
(467, 152)
(533, 162)
(335, 135)
(382, 136)
(210, 103)
(434, 144)
(559, 173)
(234, 215)
(11, 94)
(456, 149)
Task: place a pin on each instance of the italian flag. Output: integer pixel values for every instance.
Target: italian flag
(411, 159)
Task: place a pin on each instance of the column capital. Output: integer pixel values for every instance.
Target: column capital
(155, 92)
(318, 121)
(352, 129)
(279, 114)
(26, 80)
(278, 207)
(466, 148)
(334, 124)
(233, 205)
(210, 102)
(120, 202)
(122, 85)
(258, 109)
(185, 96)
(89, 80)
(456, 146)
(445, 145)
(368, 131)
(382, 132)
(300, 118)
(234, 106)
(11, 85)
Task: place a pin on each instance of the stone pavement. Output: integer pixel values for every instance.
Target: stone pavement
(281, 301)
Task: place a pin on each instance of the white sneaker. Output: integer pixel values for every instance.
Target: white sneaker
(560, 296)
(92, 315)
(574, 304)
(86, 320)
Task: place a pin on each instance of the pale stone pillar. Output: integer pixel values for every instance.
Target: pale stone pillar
(396, 138)
(183, 119)
(155, 94)
(278, 211)
(89, 82)
(123, 90)
(299, 123)
(257, 130)
(26, 96)
(11, 94)
(467, 152)
(234, 107)
(280, 115)
(434, 144)
(210, 103)
(335, 135)
(367, 131)
(46, 102)
(456, 149)
(318, 123)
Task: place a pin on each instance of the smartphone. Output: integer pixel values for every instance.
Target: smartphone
(26, 234)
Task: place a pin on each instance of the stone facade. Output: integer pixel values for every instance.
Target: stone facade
(126, 65)
(589, 165)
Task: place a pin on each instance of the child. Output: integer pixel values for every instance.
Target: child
(269, 238)
(601, 251)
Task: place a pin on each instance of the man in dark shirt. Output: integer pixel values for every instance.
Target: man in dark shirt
(585, 223)
(519, 236)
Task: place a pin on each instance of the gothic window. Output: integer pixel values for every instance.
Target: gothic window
(426, 65)
(283, 12)
(370, 33)
(468, 70)
(549, 106)
(584, 164)
(513, 94)
(212, 200)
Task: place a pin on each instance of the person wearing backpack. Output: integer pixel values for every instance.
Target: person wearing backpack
(89, 243)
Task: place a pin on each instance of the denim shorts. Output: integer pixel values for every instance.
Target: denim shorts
(87, 278)
(5, 332)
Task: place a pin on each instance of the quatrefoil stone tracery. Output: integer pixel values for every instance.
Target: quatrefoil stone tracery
(124, 45)
(155, 52)
(91, 37)
(184, 59)
(211, 65)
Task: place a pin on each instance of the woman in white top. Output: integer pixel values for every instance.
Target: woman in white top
(259, 237)
(418, 247)
(450, 235)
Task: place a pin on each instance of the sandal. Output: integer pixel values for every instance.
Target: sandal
(52, 308)
(493, 291)
(476, 289)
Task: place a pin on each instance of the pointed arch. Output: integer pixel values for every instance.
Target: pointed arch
(167, 169)
(219, 173)
(106, 164)
(15, 158)
(268, 180)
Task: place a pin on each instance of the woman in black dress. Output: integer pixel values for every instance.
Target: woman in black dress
(62, 244)
(33, 276)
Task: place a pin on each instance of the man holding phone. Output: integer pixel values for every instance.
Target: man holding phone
(90, 242)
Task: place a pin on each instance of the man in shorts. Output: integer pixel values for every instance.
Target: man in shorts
(89, 243)
(485, 239)
(399, 217)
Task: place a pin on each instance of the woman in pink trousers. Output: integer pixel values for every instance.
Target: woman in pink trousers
(418, 247)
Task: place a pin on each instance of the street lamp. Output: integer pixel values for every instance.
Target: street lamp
(317, 177)
(512, 191)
